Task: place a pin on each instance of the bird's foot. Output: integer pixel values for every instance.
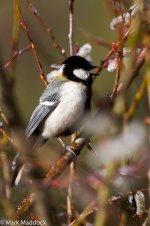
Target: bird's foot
(62, 143)
(67, 147)
(70, 150)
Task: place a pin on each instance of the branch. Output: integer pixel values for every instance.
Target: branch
(118, 44)
(120, 53)
(14, 40)
(70, 35)
(16, 54)
(55, 171)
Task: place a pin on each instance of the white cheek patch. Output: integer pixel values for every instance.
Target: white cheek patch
(47, 103)
(81, 73)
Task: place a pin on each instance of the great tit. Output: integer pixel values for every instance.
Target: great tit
(62, 105)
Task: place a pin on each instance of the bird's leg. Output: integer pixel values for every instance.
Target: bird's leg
(62, 143)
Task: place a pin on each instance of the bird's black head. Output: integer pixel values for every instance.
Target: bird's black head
(76, 68)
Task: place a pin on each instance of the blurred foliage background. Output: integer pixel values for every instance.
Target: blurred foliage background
(110, 185)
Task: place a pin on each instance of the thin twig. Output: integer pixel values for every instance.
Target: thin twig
(70, 35)
(117, 78)
(16, 54)
(108, 55)
(86, 212)
(72, 165)
(3, 116)
(49, 31)
(70, 193)
(23, 23)
(14, 40)
(5, 135)
(120, 53)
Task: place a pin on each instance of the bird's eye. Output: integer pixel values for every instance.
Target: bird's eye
(81, 73)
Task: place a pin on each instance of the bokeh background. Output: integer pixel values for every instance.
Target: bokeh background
(93, 17)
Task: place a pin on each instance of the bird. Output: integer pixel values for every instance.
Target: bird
(62, 105)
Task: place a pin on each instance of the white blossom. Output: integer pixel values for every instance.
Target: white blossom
(123, 145)
(126, 52)
(126, 17)
(112, 64)
(85, 52)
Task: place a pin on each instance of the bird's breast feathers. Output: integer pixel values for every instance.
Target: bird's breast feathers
(70, 108)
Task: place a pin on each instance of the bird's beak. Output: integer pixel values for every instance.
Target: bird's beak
(93, 67)
(94, 73)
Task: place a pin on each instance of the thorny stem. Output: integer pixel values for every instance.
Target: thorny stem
(50, 33)
(23, 23)
(70, 35)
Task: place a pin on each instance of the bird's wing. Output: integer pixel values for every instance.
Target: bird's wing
(48, 102)
(37, 117)
(51, 92)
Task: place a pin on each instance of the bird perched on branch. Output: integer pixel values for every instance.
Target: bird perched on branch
(62, 105)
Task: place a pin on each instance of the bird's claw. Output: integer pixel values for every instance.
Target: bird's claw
(70, 149)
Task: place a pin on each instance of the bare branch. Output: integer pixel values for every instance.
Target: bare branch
(70, 35)
(16, 54)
